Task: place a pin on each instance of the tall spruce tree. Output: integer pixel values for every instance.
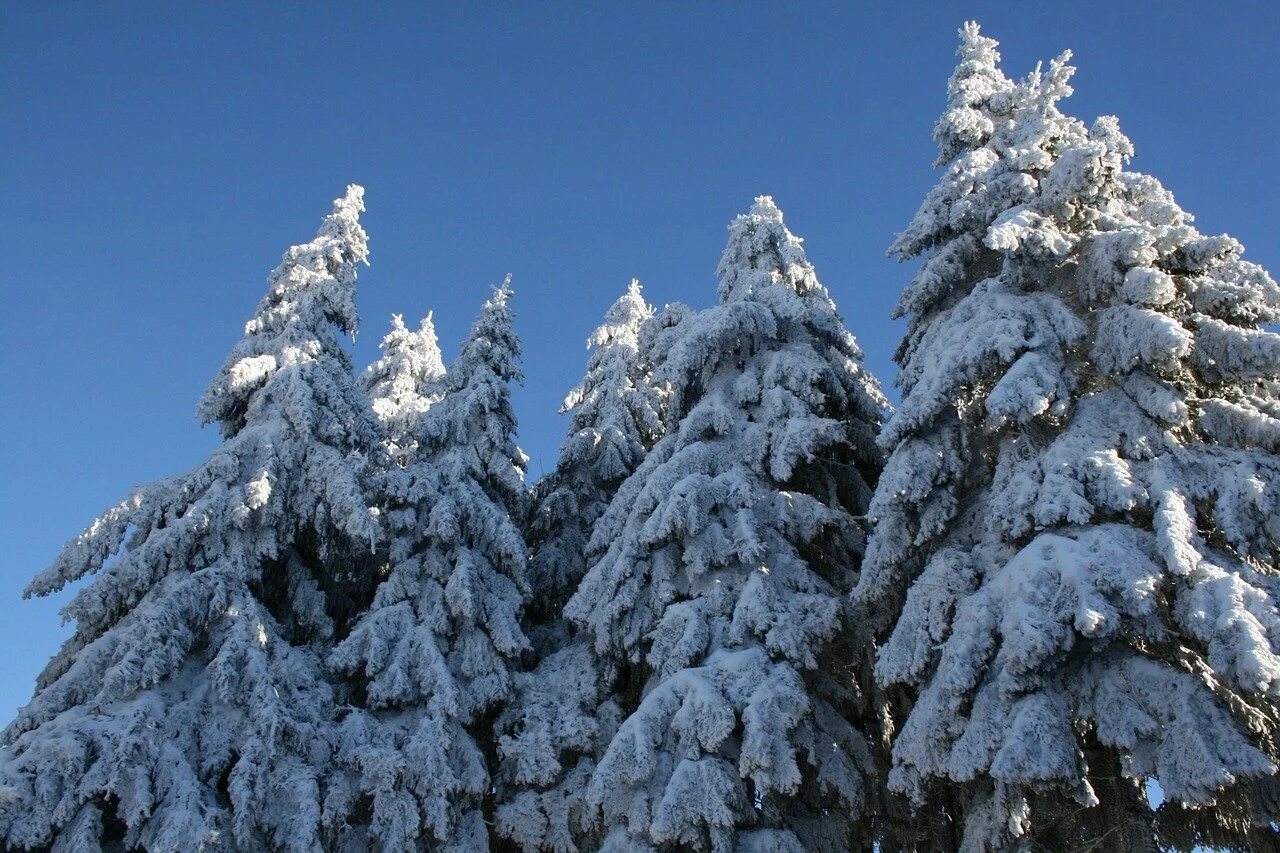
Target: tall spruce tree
(727, 559)
(189, 709)
(1076, 534)
(564, 711)
(615, 419)
(434, 653)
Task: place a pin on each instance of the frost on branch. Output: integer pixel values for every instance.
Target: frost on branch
(724, 563)
(1076, 532)
(189, 709)
(560, 718)
(434, 652)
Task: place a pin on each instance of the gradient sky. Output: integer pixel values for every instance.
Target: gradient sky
(158, 158)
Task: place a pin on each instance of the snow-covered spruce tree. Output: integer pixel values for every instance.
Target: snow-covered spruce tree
(615, 419)
(563, 713)
(728, 556)
(1077, 531)
(189, 710)
(432, 656)
(405, 382)
(400, 386)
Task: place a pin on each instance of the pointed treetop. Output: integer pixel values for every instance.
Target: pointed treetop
(310, 296)
(627, 306)
(495, 310)
(977, 93)
(400, 335)
(977, 48)
(428, 343)
(615, 417)
(623, 319)
(492, 343)
(502, 292)
(402, 384)
(343, 222)
(766, 209)
(474, 410)
(1047, 89)
(616, 344)
(761, 251)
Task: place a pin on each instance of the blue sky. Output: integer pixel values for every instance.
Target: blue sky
(157, 159)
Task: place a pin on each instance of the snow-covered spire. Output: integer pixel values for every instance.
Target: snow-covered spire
(558, 721)
(978, 96)
(189, 709)
(487, 363)
(1076, 575)
(710, 592)
(761, 252)
(405, 382)
(310, 298)
(435, 649)
(614, 420)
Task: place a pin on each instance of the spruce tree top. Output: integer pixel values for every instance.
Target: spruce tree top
(405, 381)
(443, 621)
(615, 418)
(310, 299)
(475, 419)
(613, 415)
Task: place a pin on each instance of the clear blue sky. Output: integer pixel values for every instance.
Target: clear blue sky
(158, 158)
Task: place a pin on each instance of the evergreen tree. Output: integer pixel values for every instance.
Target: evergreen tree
(614, 420)
(1076, 533)
(563, 713)
(433, 655)
(727, 558)
(405, 382)
(189, 709)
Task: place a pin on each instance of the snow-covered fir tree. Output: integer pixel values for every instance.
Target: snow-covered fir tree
(434, 653)
(615, 419)
(562, 714)
(400, 386)
(727, 558)
(189, 710)
(405, 382)
(1076, 533)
